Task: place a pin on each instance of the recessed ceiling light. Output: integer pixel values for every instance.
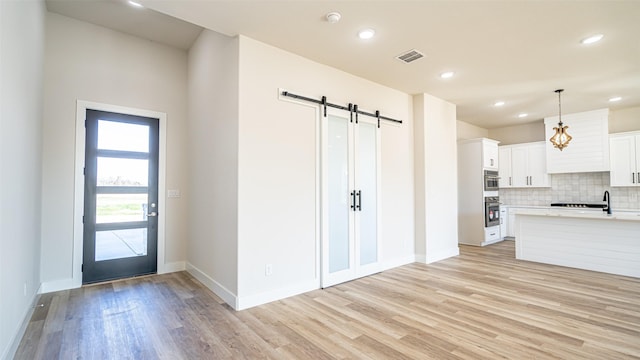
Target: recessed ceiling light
(523, 115)
(447, 74)
(592, 39)
(499, 103)
(366, 34)
(135, 4)
(616, 98)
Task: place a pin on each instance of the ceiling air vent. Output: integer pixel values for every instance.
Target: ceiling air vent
(409, 56)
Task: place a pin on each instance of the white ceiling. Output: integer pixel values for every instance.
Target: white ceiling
(513, 51)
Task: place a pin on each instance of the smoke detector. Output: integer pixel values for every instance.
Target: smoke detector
(333, 17)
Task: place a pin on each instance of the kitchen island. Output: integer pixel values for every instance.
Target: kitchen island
(590, 240)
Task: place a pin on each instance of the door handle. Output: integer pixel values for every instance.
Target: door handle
(353, 200)
(359, 207)
(152, 214)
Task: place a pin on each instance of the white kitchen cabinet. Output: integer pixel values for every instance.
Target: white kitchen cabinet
(503, 221)
(625, 159)
(490, 155)
(527, 166)
(511, 222)
(473, 157)
(504, 167)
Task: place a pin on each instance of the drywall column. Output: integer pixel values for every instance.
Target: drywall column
(22, 40)
(213, 163)
(436, 178)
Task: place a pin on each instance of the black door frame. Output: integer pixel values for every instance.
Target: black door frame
(95, 271)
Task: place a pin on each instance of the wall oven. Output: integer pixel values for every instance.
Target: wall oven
(491, 180)
(491, 211)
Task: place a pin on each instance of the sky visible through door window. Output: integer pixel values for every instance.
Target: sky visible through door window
(115, 171)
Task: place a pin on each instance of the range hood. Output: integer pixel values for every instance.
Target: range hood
(589, 148)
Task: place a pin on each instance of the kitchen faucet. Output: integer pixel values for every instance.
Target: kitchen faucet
(606, 198)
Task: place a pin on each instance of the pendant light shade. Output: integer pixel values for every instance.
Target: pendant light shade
(561, 138)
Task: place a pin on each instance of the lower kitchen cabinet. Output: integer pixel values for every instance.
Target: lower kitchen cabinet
(503, 221)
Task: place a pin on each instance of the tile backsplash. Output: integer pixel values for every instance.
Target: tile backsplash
(574, 188)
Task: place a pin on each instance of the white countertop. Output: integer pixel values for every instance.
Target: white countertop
(597, 214)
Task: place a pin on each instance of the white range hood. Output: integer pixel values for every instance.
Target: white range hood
(588, 151)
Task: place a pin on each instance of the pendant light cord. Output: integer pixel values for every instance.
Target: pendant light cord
(559, 91)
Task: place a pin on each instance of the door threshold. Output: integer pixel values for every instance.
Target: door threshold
(119, 279)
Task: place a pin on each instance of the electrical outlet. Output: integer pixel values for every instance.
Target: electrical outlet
(268, 270)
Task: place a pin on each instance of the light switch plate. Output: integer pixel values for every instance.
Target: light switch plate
(173, 193)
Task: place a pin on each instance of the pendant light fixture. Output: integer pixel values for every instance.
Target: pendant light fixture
(561, 138)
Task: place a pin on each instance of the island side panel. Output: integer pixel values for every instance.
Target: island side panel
(605, 245)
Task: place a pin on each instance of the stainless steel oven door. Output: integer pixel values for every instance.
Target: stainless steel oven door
(491, 211)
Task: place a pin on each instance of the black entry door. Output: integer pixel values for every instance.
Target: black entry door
(120, 196)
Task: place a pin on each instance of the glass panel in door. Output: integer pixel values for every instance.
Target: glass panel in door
(339, 194)
(366, 183)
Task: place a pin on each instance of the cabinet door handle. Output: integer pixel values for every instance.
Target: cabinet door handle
(359, 206)
(491, 160)
(353, 200)
(509, 180)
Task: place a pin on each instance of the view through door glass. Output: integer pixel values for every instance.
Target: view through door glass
(121, 196)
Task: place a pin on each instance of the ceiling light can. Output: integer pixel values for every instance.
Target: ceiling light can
(135, 4)
(498, 103)
(447, 74)
(592, 39)
(366, 34)
(615, 98)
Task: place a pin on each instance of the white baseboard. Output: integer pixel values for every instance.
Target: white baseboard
(172, 267)
(58, 285)
(10, 351)
(394, 263)
(226, 295)
(441, 255)
(246, 302)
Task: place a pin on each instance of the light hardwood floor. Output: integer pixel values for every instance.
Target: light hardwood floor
(483, 304)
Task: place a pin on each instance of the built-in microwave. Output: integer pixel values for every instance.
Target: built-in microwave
(491, 180)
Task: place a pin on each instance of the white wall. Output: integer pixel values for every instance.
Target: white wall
(518, 134)
(436, 178)
(278, 176)
(213, 159)
(21, 53)
(468, 131)
(88, 62)
(624, 120)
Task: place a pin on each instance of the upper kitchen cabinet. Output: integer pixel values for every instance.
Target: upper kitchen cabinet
(588, 151)
(523, 165)
(490, 154)
(625, 159)
(504, 167)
